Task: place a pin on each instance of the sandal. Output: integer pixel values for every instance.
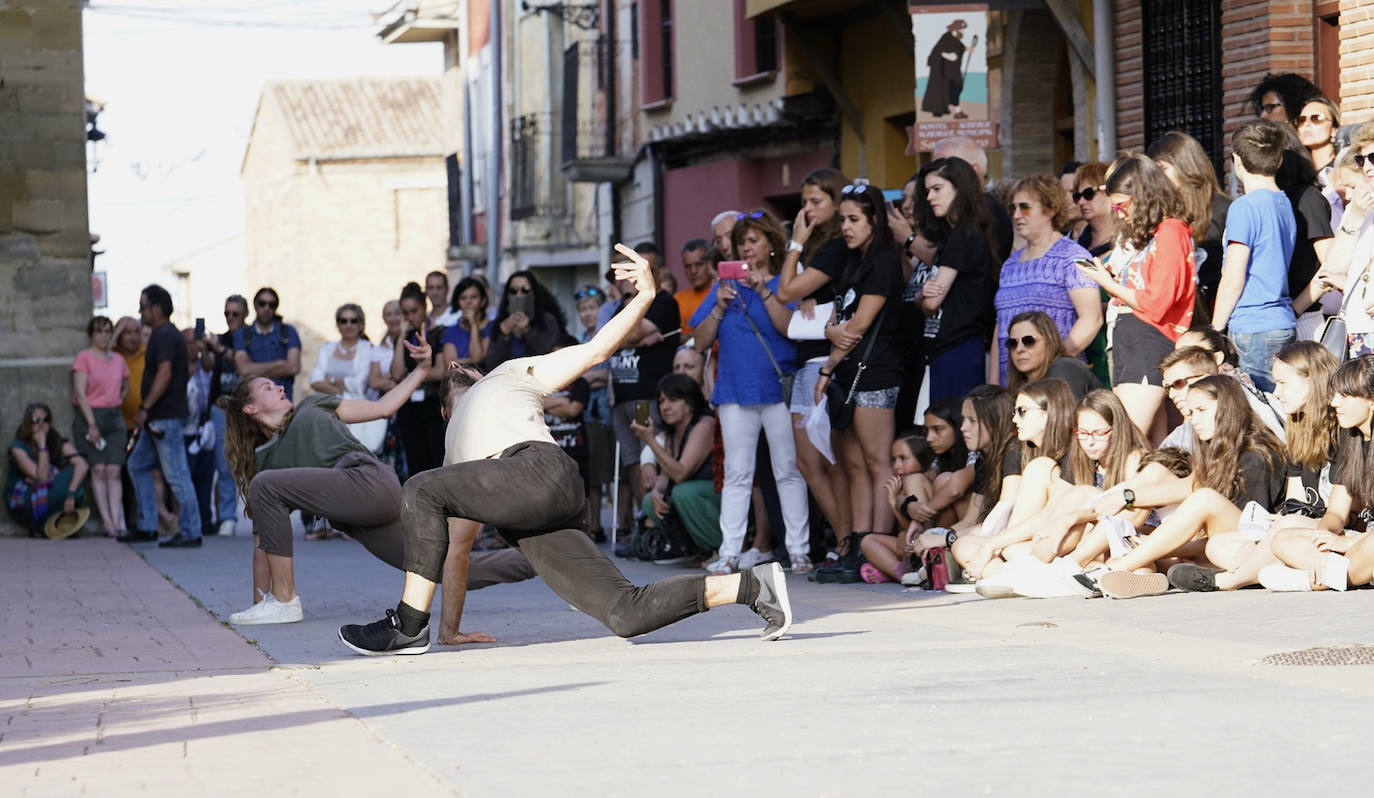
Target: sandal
(872, 575)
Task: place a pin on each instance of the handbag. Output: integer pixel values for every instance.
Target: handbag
(1334, 335)
(785, 380)
(840, 402)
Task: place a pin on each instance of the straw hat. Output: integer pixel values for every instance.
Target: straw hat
(64, 525)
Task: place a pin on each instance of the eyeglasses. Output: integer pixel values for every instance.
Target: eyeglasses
(1023, 207)
(587, 293)
(1178, 385)
(1012, 343)
(517, 290)
(348, 320)
(1269, 108)
(1315, 119)
(1022, 411)
(1092, 434)
(1088, 193)
(40, 420)
(265, 303)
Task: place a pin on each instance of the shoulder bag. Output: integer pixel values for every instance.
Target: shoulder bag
(839, 402)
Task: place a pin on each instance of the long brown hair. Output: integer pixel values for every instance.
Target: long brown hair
(767, 226)
(1311, 432)
(1061, 412)
(54, 439)
(243, 435)
(1121, 444)
(830, 182)
(992, 406)
(1216, 463)
(1054, 347)
(1155, 197)
(1355, 378)
(1197, 178)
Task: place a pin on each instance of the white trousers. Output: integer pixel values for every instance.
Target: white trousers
(739, 431)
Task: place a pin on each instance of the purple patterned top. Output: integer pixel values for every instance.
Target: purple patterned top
(1040, 284)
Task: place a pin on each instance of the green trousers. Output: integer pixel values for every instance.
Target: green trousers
(698, 505)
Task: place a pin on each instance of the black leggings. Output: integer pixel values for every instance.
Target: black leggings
(533, 495)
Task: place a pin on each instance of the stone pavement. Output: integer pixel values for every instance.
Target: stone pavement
(874, 690)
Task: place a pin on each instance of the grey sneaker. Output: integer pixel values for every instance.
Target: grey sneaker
(772, 604)
(383, 637)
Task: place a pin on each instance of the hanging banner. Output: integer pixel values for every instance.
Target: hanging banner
(951, 75)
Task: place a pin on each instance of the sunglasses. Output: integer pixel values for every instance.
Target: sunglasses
(233, 314)
(40, 420)
(1012, 343)
(1360, 158)
(1092, 434)
(1178, 385)
(263, 303)
(854, 188)
(1315, 119)
(1021, 412)
(1023, 207)
(587, 293)
(513, 291)
(348, 320)
(1269, 108)
(1088, 193)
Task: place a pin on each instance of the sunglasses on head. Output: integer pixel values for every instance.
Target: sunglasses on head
(1012, 343)
(751, 215)
(857, 187)
(348, 320)
(1088, 193)
(587, 293)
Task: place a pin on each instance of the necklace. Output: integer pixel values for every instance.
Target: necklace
(347, 350)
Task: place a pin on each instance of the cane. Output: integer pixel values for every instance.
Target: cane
(615, 497)
(969, 59)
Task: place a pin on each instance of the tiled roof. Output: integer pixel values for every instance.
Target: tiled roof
(360, 117)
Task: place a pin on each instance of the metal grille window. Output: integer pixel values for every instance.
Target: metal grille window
(524, 166)
(1182, 66)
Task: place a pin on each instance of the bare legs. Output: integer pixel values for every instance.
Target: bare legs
(1204, 512)
(1145, 407)
(108, 488)
(826, 480)
(864, 450)
(272, 573)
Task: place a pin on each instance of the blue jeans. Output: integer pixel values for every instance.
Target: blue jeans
(169, 454)
(1257, 351)
(226, 493)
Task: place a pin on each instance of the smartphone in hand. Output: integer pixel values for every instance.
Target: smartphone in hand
(522, 303)
(733, 270)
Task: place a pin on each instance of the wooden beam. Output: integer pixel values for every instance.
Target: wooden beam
(901, 22)
(1065, 14)
(828, 77)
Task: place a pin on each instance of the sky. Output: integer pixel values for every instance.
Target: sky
(180, 83)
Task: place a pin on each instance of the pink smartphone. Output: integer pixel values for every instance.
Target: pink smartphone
(733, 270)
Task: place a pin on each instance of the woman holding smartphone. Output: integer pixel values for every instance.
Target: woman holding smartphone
(529, 322)
(751, 323)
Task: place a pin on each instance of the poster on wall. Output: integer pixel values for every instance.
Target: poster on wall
(951, 75)
(99, 290)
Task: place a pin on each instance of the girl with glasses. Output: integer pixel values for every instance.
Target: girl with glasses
(46, 471)
(1041, 276)
(100, 381)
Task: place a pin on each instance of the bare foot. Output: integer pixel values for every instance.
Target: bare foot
(447, 639)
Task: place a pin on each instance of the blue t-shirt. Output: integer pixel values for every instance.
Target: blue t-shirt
(745, 375)
(461, 338)
(1263, 221)
(266, 347)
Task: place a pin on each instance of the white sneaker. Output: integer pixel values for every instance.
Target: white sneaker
(1282, 579)
(754, 557)
(722, 565)
(228, 526)
(1047, 579)
(1001, 584)
(269, 610)
(914, 578)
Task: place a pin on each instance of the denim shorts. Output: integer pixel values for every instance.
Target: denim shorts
(882, 399)
(804, 388)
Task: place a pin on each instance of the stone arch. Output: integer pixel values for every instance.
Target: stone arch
(1040, 77)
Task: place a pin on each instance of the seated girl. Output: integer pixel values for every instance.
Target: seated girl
(1237, 460)
(46, 472)
(1044, 417)
(938, 496)
(1303, 372)
(1331, 555)
(1036, 352)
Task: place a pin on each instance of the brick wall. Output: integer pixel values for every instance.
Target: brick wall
(1259, 38)
(45, 288)
(1357, 61)
(1130, 105)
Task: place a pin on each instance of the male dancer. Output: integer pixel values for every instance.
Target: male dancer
(503, 468)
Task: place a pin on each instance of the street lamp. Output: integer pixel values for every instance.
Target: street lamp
(586, 16)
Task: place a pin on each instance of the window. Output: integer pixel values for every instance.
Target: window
(524, 166)
(756, 44)
(1182, 66)
(656, 66)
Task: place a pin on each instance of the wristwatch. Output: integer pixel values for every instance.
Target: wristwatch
(950, 537)
(1129, 496)
(907, 246)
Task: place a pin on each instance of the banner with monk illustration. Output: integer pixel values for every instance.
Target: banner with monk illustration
(951, 75)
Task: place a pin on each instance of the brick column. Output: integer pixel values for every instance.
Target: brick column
(1357, 61)
(45, 286)
(1258, 38)
(1130, 88)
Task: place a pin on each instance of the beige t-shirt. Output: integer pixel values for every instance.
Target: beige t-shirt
(504, 408)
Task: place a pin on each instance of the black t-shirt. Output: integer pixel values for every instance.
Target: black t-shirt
(1312, 477)
(1259, 483)
(1001, 228)
(225, 375)
(436, 345)
(830, 259)
(1313, 215)
(571, 432)
(166, 344)
(967, 308)
(1080, 378)
(1209, 273)
(1011, 461)
(635, 372)
(883, 365)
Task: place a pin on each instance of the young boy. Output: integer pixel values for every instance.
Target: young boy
(1252, 298)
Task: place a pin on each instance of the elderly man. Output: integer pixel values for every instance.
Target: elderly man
(721, 225)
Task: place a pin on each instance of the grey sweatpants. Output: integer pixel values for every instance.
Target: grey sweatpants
(362, 497)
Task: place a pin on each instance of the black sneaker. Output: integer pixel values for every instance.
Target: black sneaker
(137, 536)
(772, 604)
(844, 570)
(1193, 578)
(383, 637)
(180, 542)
